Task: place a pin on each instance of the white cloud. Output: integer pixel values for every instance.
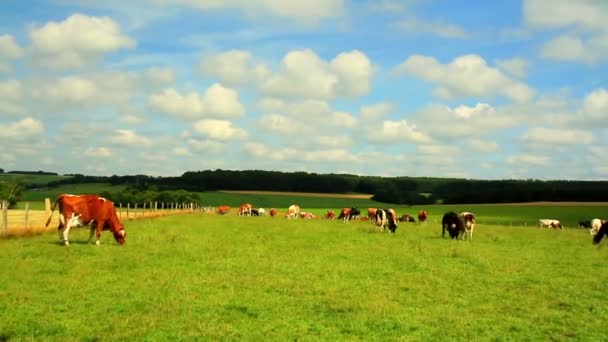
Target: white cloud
(375, 112)
(161, 75)
(261, 151)
(233, 68)
(387, 6)
(76, 42)
(217, 101)
(219, 130)
(182, 151)
(517, 67)
(11, 96)
(333, 141)
(529, 159)
(129, 138)
(206, 146)
(101, 151)
(467, 75)
(21, 130)
(9, 50)
(552, 136)
(307, 13)
(483, 145)
(586, 38)
(277, 123)
(415, 26)
(596, 102)
(396, 132)
(304, 74)
(331, 155)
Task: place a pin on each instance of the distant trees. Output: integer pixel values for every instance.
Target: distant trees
(11, 191)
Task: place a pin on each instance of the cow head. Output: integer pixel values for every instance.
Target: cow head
(600, 234)
(120, 234)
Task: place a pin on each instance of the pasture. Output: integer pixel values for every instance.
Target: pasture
(227, 277)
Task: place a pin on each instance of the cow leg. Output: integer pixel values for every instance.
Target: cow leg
(61, 227)
(92, 226)
(98, 229)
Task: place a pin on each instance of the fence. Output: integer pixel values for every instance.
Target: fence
(15, 222)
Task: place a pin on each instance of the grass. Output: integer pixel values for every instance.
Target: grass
(217, 277)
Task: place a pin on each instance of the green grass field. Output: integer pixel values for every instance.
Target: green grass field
(217, 277)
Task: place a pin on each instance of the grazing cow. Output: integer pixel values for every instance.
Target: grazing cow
(452, 223)
(223, 209)
(273, 212)
(386, 219)
(307, 215)
(584, 224)
(293, 211)
(371, 214)
(355, 214)
(468, 222)
(344, 214)
(422, 216)
(329, 215)
(255, 212)
(550, 223)
(245, 209)
(595, 225)
(261, 211)
(600, 233)
(406, 218)
(92, 210)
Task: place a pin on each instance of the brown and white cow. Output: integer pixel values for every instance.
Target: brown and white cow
(307, 215)
(293, 211)
(80, 210)
(597, 238)
(371, 214)
(595, 225)
(468, 224)
(406, 218)
(344, 214)
(245, 209)
(329, 215)
(550, 223)
(422, 216)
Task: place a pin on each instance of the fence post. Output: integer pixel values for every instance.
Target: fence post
(155, 206)
(4, 218)
(135, 210)
(47, 207)
(120, 209)
(27, 211)
(128, 206)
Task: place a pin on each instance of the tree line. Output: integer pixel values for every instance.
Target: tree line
(398, 190)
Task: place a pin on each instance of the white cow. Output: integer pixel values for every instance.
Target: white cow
(468, 222)
(550, 223)
(596, 224)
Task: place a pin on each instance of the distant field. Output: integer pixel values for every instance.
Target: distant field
(212, 277)
(39, 195)
(32, 178)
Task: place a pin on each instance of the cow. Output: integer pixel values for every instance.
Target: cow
(422, 216)
(371, 214)
(293, 211)
(355, 214)
(329, 215)
(79, 210)
(307, 215)
(273, 212)
(452, 223)
(600, 233)
(261, 211)
(344, 214)
(255, 212)
(223, 209)
(468, 222)
(245, 209)
(406, 218)
(386, 219)
(595, 225)
(550, 223)
(584, 224)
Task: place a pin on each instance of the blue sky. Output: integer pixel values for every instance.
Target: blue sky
(482, 90)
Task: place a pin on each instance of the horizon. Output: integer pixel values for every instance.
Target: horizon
(383, 88)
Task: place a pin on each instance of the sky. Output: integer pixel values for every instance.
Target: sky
(423, 88)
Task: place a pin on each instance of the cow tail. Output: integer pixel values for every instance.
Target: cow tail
(48, 221)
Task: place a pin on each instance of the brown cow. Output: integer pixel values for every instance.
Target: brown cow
(273, 212)
(223, 209)
(80, 210)
(245, 209)
(329, 215)
(371, 214)
(422, 216)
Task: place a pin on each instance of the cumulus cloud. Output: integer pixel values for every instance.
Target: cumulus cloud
(415, 26)
(396, 132)
(21, 130)
(233, 68)
(529, 160)
(553, 136)
(517, 67)
(78, 41)
(160, 75)
(586, 38)
(484, 146)
(11, 96)
(182, 151)
(219, 130)
(100, 151)
(467, 75)
(308, 13)
(206, 146)
(9, 50)
(129, 138)
(217, 101)
(303, 74)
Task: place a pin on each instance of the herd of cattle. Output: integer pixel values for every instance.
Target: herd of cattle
(100, 214)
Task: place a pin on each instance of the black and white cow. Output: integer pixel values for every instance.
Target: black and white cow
(452, 223)
(386, 219)
(600, 234)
